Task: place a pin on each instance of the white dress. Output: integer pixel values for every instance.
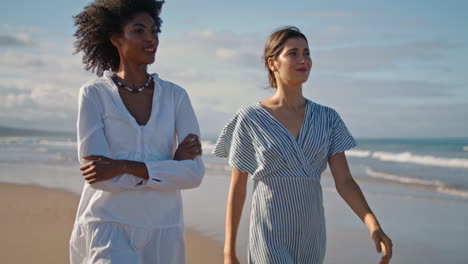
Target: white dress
(127, 219)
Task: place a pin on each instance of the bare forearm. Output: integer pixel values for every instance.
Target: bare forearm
(135, 168)
(350, 191)
(188, 149)
(352, 194)
(234, 208)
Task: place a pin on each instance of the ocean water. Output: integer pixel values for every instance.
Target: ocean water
(436, 167)
(439, 166)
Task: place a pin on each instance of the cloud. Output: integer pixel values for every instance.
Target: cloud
(212, 40)
(240, 57)
(208, 54)
(12, 101)
(40, 89)
(383, 88)
(20, 60)
(426, 121)
(373, 58)
(184, 75)
(226, 53)
(327, 35)
(222, 43)
(32, 94)
(42, 67)
(45, 106)
(20, 40)
(23, 29)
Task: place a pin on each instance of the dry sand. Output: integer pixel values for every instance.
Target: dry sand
(36, 224)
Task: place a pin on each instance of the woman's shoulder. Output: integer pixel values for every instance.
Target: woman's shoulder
(98, 84)
(95, 86)
(169, 87)
(324, 113)
(249, 110)
(322, 110)
(243, 115)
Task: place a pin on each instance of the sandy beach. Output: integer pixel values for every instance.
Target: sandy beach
(36, 225)
(425, 228)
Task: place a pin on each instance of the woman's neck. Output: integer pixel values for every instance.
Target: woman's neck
(289, 96)
(133, 75)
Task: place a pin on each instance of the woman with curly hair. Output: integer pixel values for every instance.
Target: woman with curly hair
(138, 141)
(285, 143)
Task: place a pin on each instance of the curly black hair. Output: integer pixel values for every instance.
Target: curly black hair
(99, 20)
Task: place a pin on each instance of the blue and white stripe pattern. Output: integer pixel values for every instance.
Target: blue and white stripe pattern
(287, 223)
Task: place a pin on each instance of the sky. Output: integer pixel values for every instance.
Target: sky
(392, 69)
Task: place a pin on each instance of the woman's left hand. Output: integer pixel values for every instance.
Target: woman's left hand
(189, 148)
(383, 244)
(100, 168)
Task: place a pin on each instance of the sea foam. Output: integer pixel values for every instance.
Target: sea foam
(432, 185)
(408, 157)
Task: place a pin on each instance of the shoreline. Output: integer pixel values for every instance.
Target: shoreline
(37, 223)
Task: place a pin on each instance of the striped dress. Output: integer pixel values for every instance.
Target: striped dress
(287, 223)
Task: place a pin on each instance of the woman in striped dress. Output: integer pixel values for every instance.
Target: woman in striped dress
(284, 143)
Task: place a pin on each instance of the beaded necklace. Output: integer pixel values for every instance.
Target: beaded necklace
(136, 90)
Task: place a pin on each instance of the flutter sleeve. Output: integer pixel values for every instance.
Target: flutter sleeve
(236, 145)
(340, 138)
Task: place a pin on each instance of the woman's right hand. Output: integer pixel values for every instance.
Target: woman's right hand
(231, 260)
(190, 148)
(99, 168)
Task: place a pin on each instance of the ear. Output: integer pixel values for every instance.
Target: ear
(271, 64)
(115, 39)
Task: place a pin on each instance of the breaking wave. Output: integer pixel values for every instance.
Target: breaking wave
(408, 157)
(431, 185)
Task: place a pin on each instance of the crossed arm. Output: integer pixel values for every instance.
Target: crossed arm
(100, 168)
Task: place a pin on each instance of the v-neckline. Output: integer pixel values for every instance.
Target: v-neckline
(298, 139)
(125, 109)
(130, 113)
